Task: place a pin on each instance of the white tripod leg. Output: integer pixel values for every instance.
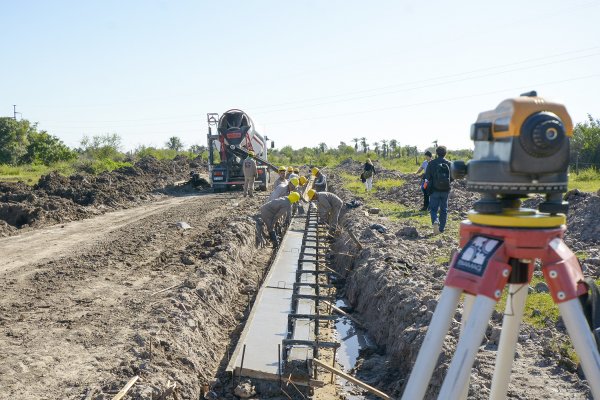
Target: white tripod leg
(460, 367)
(432, 344)
(467, 307)
(513, 315)
(583, 341)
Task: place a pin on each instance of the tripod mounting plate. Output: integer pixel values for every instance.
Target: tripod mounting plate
(518, 218)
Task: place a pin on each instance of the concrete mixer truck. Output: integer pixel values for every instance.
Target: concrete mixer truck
(230, 137)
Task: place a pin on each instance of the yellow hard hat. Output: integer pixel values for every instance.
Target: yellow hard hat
(290, 169)
(315, 171)
(281, 169)
(294, 181)
(251, 153)
(303, 180)
(293, 197)
(296, 170)
(311, 194)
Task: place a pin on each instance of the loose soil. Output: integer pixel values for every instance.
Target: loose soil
(158, 289)
(125, 274)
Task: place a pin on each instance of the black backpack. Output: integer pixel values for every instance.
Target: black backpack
(441, 177)
(590, 301)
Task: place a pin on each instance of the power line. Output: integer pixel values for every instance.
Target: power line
(434, 78)
(513, 89)
(190, 118)
(423, 86)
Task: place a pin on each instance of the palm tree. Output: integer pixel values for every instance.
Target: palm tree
(363, 143)
(376, 147)
(385, 148)
(393, 146)
(355, 140)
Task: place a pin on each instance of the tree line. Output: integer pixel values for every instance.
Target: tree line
(22, 143)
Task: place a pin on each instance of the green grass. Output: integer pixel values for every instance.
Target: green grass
(541, 302)
(588, 180)
(406, 164)
(31, 174)
(394, 211)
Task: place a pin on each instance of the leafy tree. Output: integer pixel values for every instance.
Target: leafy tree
(322, 147)
(14, 140)
(585, 143)
(21, 143)
(197, 149)
(355, 140)
(345, 151)
(174, 143)
(46, 149)
(102, 146)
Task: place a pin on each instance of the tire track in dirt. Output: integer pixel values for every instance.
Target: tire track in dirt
(34, 246)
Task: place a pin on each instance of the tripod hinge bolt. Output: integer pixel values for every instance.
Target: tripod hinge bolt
(561, 295)
(498, 293)
(505, 273)
(553, 274)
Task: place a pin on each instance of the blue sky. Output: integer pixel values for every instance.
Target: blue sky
(305, 71)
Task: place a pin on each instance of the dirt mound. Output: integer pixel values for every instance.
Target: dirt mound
(56, 198)
(410, 195)
(583, 220)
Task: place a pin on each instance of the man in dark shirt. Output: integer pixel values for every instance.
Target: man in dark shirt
(437, 175)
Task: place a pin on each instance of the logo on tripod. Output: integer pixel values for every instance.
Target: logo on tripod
(475, 256)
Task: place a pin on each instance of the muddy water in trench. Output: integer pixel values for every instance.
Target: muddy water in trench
(352, 340)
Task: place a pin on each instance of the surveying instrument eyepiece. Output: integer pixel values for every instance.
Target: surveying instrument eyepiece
(521, 147)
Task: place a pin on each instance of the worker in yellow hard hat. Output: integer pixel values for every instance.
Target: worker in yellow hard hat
(283, 189)
(293, 172)
(303, 180)
(276, 209)
(329, 206)
(320, 183)
(290, 170)
(281, 178)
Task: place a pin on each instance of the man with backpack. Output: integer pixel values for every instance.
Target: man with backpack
(438, 177)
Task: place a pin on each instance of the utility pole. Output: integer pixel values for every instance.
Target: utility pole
(15, 112)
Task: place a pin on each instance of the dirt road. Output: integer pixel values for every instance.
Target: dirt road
(81, 310)
(59, 240)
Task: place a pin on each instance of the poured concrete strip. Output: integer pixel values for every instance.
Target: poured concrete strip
(303, 329)
(267, 324)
